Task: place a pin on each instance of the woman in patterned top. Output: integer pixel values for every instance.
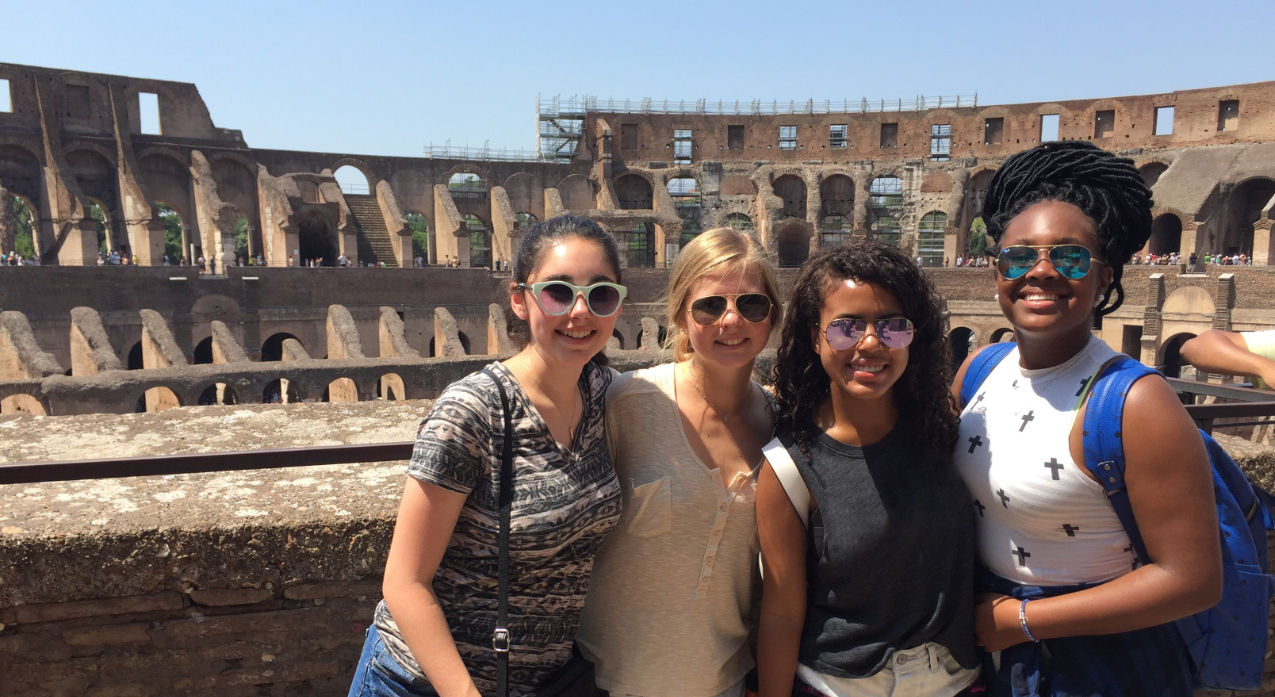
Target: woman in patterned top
(433, 632)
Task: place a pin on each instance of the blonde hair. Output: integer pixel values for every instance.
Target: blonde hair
(710, 251)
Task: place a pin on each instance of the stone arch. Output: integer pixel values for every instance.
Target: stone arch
(962, 341)
(22, 403)
(342, 389)
(135, 361)
(96, 175)
(792, 238)
(526, 193)
(479, 241)
(791, 189)
(1001, 335)
(931, 232)
(661, 336)
(972, 204)
(218, 394)
(352, 180)
(467, 168)
(203, 352)
(1240, 211)
(1122, 118)
(836, 196)
(1151, 172)
(272, 348)
(634, 192)
(157, 399)
(21, 172)
(391, 387)
(1166, 235)
(281, 391)
(316, 237)
(368, 173)
(237, 185)
(615, 333)
(1169, 357)
(1188, 300)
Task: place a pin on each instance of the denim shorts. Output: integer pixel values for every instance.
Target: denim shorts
(379, 675)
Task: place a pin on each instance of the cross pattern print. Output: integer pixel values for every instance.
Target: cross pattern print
(1054, 467)
(1004, 498)
(978, 504)
(1070, 529)
(1027, 418)
(1083, 384)
(1022, 555)
(975, 442)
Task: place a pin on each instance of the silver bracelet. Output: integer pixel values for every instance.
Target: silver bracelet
(1022, 620)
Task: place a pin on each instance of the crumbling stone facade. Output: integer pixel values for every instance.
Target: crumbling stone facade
(799, 175)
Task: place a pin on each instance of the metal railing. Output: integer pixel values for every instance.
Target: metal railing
(1248, 403)
(578, 106)
(464, 152)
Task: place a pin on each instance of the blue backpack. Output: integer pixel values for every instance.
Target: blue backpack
(1228, 641)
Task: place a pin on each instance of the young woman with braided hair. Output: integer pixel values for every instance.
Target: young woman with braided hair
(1064, 601)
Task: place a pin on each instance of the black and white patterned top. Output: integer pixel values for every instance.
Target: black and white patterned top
(565, 502)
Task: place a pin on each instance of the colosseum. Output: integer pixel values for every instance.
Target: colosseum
(93, 164)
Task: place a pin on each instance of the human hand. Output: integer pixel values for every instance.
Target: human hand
(996, 625)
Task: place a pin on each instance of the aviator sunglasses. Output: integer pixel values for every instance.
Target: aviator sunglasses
(754, 307)
(1072, 261)
(556, 298)
(844, 334)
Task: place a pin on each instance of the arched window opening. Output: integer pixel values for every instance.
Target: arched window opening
(174, 232)
(157, 399)
(392, 388)
(352, 181)
(836, 195)
(741, 222)
(316, 239)
(961, 341)
(309, 191)
(1151, 172)
(886, 193)
(887, 229)
(619, 338)
(978, 242)
(204, 352)
(836, 230)
(634, 192)
(23, 217)
(1002, 335)
(479, 242)
(341, 390)
(638, 244)
(524, 220)
(467, 185)
(1166, 235)
(420, 233)
(661, 336)
(1172, 361)
(1243, 208)
(135, 361)
(929, 244)
(464, 343)
(22, 404)
(272, 348)
(105, 240)
(793, 240)
(219, 394)
(793, 192)
(281, 391)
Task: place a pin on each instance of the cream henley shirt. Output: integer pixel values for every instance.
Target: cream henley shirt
(667, 614)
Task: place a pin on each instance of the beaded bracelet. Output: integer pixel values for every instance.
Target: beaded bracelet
(1022, 620)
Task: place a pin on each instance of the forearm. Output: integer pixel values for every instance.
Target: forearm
(424, 628)
(1147, 597)
(1214, 352)
(778, 642)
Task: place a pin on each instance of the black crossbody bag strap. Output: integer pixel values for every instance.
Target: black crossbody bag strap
(505, 500)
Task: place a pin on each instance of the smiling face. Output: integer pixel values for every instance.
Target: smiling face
(870, 369)
(731, 341)
(571, 339)
(1044, 304)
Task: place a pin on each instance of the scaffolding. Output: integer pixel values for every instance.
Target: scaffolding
(559, 125)
(574, 107)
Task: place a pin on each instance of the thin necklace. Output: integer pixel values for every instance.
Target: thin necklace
(723, 417)
(571, 432)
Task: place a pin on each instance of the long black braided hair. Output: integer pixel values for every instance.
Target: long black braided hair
(921, 395)
(1104, 187)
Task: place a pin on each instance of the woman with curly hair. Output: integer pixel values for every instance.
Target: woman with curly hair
(867, 533)
(1069, 605)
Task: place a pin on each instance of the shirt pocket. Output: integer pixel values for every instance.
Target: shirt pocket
(650, 508)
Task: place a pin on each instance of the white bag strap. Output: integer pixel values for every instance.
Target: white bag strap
(781, 462)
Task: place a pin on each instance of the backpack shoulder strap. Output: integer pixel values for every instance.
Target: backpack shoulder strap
(1103, 444)
(505, 499)
(782, 463)
(981, 367)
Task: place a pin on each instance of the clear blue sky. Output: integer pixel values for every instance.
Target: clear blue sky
(372, 77)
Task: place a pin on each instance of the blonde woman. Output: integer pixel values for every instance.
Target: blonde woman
(668, 605)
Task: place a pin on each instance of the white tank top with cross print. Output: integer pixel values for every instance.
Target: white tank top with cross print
(1041, 520)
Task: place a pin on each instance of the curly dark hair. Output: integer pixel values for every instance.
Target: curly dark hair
(1105, 187)
(922, 396)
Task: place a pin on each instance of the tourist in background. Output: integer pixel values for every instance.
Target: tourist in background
(1067, 604)
(867, 533)
(669, 605)
(433, 633)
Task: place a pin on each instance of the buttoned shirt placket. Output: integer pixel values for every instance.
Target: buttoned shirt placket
(725, 497)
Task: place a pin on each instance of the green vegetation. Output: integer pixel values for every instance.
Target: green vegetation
(241, 239)
(420, 234)
(96, 213)
(172, 232)
(977, 244)
(23, 239)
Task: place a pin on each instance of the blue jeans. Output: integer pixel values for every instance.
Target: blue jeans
(379, 675)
